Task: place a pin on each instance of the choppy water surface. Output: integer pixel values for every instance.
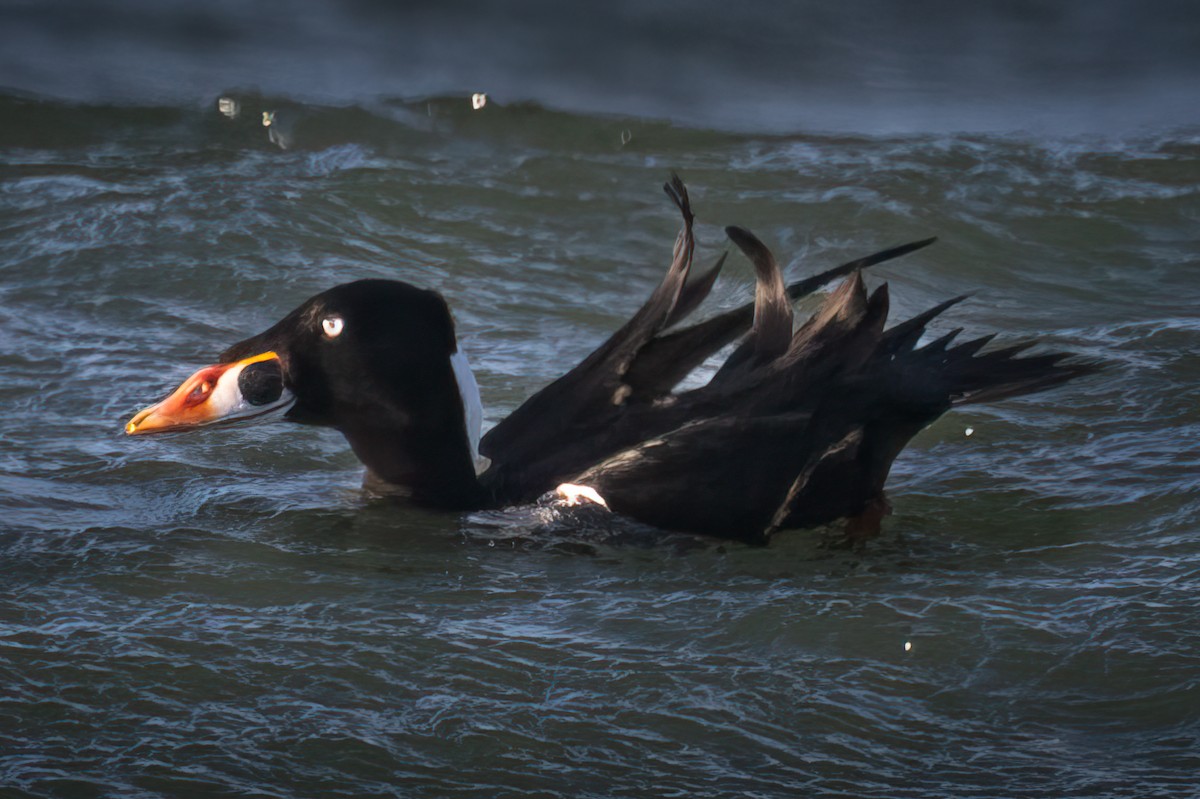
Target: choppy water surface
(227, 613)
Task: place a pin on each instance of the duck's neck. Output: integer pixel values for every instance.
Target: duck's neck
(427, 447)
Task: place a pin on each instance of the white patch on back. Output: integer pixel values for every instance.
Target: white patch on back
(468, 389)
(573, 495)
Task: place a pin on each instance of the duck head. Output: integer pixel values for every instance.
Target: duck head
(375, 359)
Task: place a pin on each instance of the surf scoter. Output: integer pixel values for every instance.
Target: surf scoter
(797, 428)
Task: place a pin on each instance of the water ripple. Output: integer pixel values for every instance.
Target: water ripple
(229, 613)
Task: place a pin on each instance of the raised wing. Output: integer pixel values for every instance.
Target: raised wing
(620, 394)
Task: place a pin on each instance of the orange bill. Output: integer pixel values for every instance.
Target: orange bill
(221, 393)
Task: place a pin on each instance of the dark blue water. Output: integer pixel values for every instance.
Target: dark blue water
(230, 614)
(1097, 66)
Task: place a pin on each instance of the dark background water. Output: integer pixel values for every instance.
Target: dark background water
(1069, 66)
(230, 614)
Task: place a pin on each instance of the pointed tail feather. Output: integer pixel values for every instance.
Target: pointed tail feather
(904, 336)
(942, 373)
(990, 378)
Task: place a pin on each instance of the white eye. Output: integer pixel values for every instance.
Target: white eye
(332, 325)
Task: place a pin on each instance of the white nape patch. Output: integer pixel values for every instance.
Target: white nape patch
(574, 495)
(468, 389)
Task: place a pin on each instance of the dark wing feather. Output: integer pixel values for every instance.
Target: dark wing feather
(796, 429)
(597, 382)
(771, 330)
(695, 292)
(668, 358)
(683, 479)
(811, 437)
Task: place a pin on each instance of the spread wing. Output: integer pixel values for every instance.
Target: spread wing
(621, 394)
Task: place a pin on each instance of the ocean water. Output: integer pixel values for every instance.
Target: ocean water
(229, 613)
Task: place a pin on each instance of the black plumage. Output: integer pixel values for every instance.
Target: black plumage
(798, 427)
